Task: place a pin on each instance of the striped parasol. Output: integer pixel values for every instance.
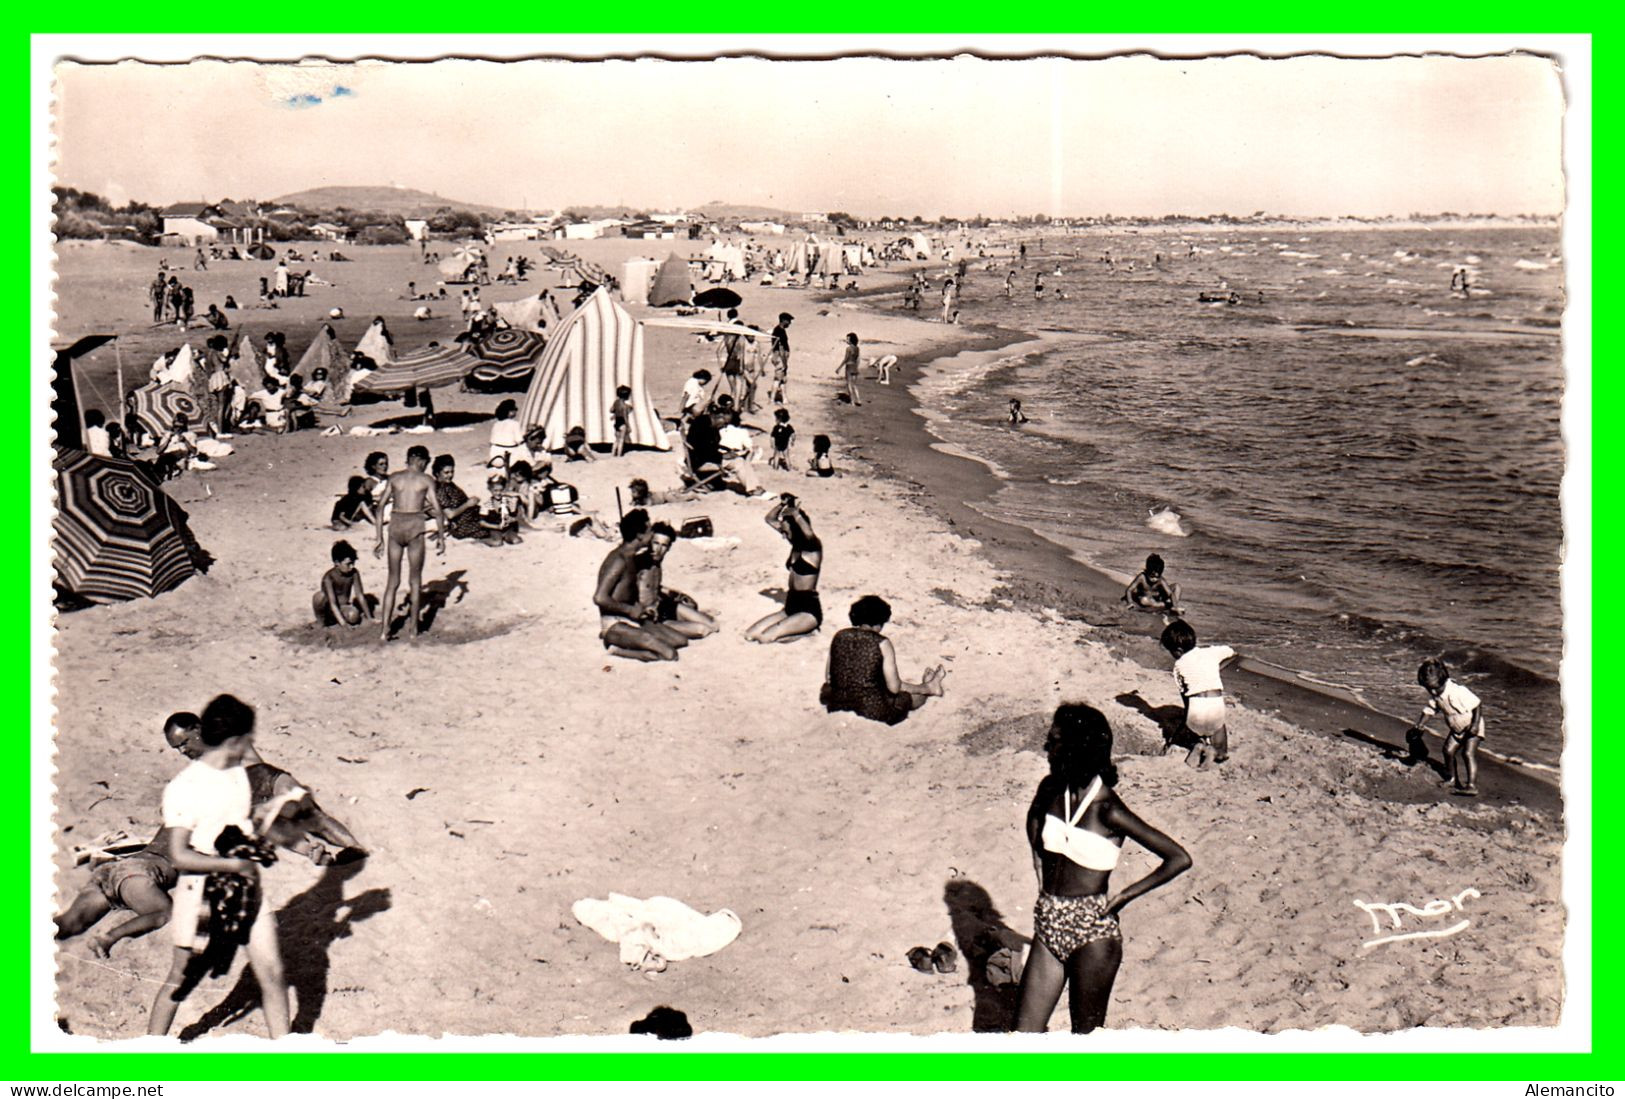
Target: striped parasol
(117, 535)
(426, 369)
(507, 354)
(156, 406)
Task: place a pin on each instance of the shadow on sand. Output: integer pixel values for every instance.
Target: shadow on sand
(979, 930)
(1169, 719)
(307, 927)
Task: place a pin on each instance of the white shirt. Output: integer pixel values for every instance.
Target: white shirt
(1198, 670)
(693, 392)
(205, 800)
(1456, 703)
(98, 442)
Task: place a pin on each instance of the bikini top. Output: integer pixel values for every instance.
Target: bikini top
(1062, 836)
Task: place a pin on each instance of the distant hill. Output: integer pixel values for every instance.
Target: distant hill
(386, 200)
(729, 211)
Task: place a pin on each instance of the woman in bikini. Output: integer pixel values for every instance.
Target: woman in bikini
(1076, 827)
(802, 613)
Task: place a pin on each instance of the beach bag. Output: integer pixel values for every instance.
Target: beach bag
(698, 526)
(561, 498)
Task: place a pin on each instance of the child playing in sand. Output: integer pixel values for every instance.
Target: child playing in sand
(1196, 670)
(575, 446)
(341, 596)
(138, 883)
(210, 797)
(1465, 717)
(882, 365)
(819, 465)
(1149, 590)
(620, 414)
(782, 434)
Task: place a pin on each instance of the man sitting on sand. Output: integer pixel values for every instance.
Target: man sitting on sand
(411, 491)
(620, 615)
(668, 611)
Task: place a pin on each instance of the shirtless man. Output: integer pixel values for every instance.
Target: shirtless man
(621, 630)
(411, 490)
(660, 610)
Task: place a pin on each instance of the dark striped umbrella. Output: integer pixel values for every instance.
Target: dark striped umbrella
(426, 369)
(507, 354)
(117, 535)
(157, 404)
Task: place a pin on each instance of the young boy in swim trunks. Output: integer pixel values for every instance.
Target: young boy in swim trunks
(1465, 717)
(1196, 670)
(1150, 591)
(411, 494)
(341, 596)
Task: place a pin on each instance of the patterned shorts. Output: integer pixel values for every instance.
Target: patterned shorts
(111, 877)
(1065, 924)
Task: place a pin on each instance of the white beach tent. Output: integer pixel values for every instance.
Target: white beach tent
(593, 350)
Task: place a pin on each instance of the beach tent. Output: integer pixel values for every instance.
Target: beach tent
(65, 403)
(533, 314)
(374, 346)
(596, 348)
(637, 275)
(244, 364)
(829, 258)
(117, 535)
(326, 352)
(853, 254)
(922, 246)
(672, 285)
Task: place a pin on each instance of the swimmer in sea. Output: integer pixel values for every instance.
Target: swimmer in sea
(411, 490)
(1016, 415)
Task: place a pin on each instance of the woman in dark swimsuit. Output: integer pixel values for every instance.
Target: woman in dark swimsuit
(861, 673)
(802, 613)
(462, 511)
(1076, 827)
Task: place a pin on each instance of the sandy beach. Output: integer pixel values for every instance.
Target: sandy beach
(503, 766)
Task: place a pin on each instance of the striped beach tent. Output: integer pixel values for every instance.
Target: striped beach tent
(427, 369)
(244, 363)
(117, 534)
(593, 350)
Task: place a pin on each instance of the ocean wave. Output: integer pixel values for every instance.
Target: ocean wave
(1530, 265)
(1167, 521)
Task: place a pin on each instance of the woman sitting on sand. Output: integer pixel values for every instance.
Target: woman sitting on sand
(462, 510)
(803, 612)
(1076, 827)
(508, 435)
(861, 675)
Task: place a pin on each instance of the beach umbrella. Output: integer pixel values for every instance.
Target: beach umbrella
(718, 297)
(156, 406)
(455, 266)
(427, 369)
(117, 535)
(507, 353)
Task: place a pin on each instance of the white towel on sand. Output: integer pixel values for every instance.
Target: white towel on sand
(660, 925)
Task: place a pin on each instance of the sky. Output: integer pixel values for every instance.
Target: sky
(1131, 136)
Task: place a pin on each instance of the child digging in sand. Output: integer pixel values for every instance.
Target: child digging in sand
(1464, 716)
(1196, 670)
(341, 596)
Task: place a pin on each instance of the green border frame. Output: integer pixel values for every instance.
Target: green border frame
(960, 18)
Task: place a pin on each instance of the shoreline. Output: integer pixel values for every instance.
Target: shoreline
(1044, 576)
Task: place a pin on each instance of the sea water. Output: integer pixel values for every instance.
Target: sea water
(1349, 469)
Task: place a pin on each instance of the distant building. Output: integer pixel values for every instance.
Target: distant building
(591, 230)
(326, 230)
(417, 228)
(814, 217)
(188, 223)
(519, 231)
(668, 219)
(650, 230)
(761, 227)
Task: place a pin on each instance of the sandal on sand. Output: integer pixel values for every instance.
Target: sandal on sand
(945, 958)
(920, 959)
